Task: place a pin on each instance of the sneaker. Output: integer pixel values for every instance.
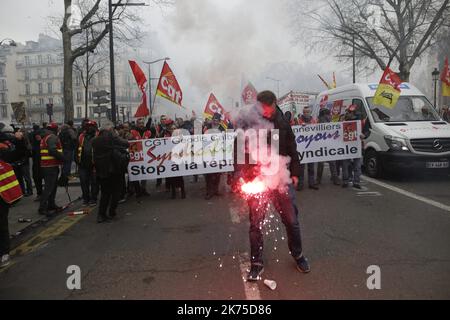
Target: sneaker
(303, 265)
(5, 261)
(255, 273)
(357, 186)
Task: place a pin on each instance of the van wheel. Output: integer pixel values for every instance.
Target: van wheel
(372, 164)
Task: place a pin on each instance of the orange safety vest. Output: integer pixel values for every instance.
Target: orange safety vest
(10, 190)
(137, 136)
(81, 144)
(46, 159)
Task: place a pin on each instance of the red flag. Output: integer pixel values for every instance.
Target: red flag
(249, 94)
(445, 78)
(138, 74)
(142, 110)
(213, 106)
(168, 86)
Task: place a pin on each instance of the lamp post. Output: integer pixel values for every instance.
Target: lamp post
(111, 52)
(278, 85)
(149, 63)
(435, 74)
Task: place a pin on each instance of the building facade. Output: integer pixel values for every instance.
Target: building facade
(33, 73)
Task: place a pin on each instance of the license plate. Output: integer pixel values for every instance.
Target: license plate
(437, 165)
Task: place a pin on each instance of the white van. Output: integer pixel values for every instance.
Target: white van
(410, 136)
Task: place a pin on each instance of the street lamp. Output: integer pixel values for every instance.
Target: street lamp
(435, 74)
(278, 85)
(150, 79)
(111, 52)
(12, 43)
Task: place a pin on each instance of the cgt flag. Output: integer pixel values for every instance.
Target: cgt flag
(249, 94)
(141, 80)
(168, 86)
(445, 78)
(388, 90)
(213, 106)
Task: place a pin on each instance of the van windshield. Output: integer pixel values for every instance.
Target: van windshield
(408, 108)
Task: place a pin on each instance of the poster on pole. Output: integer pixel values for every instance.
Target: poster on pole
(181, 156)
(19, 112)
(328, 141)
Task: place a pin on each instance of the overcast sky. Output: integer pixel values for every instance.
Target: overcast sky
(213, 45)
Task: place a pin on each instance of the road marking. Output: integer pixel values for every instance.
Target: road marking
(54, 230)
(251, 288)
(409, 194)
(368, 194)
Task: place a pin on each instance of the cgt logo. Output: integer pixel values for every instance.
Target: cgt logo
(136, 151)
(174, 94)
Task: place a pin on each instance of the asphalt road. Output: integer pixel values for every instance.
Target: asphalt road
(197, 249)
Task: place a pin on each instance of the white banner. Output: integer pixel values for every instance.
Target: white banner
(181, 156)
(328, 141)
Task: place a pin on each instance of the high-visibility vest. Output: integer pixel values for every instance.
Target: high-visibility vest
(137, 136)
(10, 190)
(81, 139)
(46, 159)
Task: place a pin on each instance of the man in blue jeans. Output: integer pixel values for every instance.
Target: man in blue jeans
(284, 202)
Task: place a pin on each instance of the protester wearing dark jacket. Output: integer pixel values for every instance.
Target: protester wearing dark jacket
(284, 202)
(88, 180)
(108, 172)
(68, 137)
(35, 140)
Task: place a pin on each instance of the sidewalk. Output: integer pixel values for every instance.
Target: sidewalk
(27, 208)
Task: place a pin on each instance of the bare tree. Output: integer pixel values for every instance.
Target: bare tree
(94, 17)
(93, 63)
(381, 31)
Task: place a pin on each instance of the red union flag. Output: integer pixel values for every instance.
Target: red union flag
(249, 94)
(141, 80)
(213, 106)
(388, 90)
(138, 74)
(445, 78)
(168, 86)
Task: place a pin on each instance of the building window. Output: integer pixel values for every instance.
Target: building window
(27, 89)
(29, 103)
(78, 112)
(49, 73)
(4, 112)
(50, 87)
(77, 80)
(2, 97)
(41, 102)
(90, 95)
(49, 59)
(27, 60)
(3, 84)
(39, 74)
(40, 59)
(79, 96)
(62, 87)
(27, 74)
(2, 70)
(40, 88)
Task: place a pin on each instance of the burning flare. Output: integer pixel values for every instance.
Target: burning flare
(254, 187)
